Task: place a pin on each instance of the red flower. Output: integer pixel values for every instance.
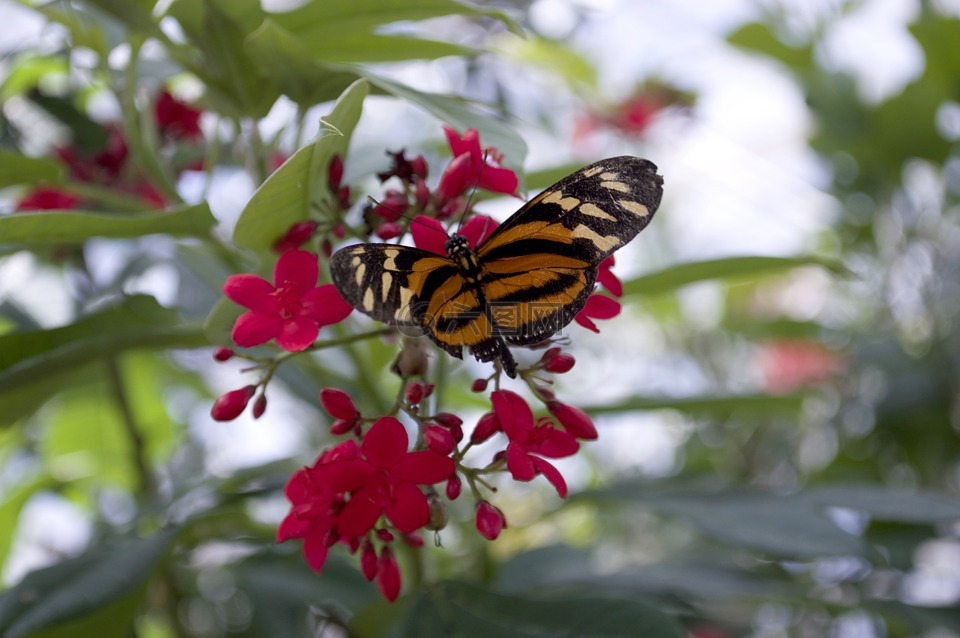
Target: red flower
(470, 167)
(177, 120)
(292, 309)
(429, 234)
(388, 575)
(573, 419)
(790, 364)
(385, 479)
(607, 279)
(597, 307)
(527, 440)
(46, 198)
(297, 235)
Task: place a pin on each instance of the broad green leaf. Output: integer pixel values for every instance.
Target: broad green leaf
(332, 18)
(96, 594)
(888, 504)
(458, 113)
(553, 56)
(739, 268)
(353, 47)
(136, 14)
(51, 228)
(26, 71)
(288, 62)
(16, 169)
(300, 186)
(753, 403)
(135, 322)
(781, 525)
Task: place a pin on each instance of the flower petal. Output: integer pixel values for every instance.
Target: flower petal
(299, 267)
(478, 228)
(424, 467)
(251, 291)
(253, 328)
(344, 476)
(428, 234)
(385, 444)
(315, 548)
(520, 463)
(388, 575)
(360, 513)
(554, 443)
(324, 305)
(601, 307)
(292, 526)
(553, 475)
(297, 334)
(460, 174)
(498, 180)
(515, 416)
(409, 510)
(582, 319)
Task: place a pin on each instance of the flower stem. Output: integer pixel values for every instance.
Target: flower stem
(137, 443)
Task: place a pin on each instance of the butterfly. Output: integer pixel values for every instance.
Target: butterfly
(522, 284)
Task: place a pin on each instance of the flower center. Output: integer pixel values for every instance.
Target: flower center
(288, 294)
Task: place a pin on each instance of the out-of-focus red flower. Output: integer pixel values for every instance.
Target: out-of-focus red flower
(177, 120)
(47, 198)
(297, 235)
(102, 166)
(597, 307)
(529, 442)
(291, 310)
(791, 364)
(636, 114)
(471, 167)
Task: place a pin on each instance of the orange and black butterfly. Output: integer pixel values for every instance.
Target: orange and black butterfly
(521, 285)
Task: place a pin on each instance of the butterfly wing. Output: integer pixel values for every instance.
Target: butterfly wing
(405, 286)
(540, 265)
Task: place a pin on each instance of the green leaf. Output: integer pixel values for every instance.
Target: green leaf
(556, 57)
(760, 39)
(739, 268)
(781, 525)
(889, 504)
(753, 403)
(13, 502)
(16, 169)
(300, 186)
(136, 14)
(27, 70)
(135, 322)
(287, 61)
(351, 46)
(52, 228)
(85, 31)
(461, 115)
(96, 594)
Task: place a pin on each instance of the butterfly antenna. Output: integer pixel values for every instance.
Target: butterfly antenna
(476, 187)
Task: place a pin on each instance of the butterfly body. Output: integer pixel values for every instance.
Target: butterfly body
(522, 284)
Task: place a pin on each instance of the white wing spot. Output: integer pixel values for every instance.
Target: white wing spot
(356, 261)
(610, 176)
(368, 299)
(566, 203)
(390, 262)
(636, 208)
(406, 296)
(596, 211)
(386, 280)
(616, 186)
(603, 243)
(590, 172)
(361, 270)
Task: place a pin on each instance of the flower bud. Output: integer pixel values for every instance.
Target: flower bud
(574, 420)
(259, 406)
(230, 405)
(454, 486)
(448, 420)
(490, 520)
(439, 439)
(368, 561)
(418, 166)
(338, 404)
(413, 540)
(388, 575)
(340, 426)
(389, 230)
(487, 426)
(222, 354)
(415, 392)
(479, 385)
(558, 362)
(335, 175)
(385, 535)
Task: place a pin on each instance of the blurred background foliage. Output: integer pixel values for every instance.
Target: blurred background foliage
(779, 430)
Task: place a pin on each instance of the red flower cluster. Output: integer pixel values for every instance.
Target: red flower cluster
(108, 165)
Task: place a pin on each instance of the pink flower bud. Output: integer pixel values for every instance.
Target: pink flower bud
(490, 520)
(422, 194)
(479, 385)
(454, 486)
(574, 420)
(230, 405)
(388, 575)
(259, 406)
(413, 540)
(487, 426)
(335, 173)
(438, 439)
(448, 420)
(338, 404)
(385, 535)
(341, 426)
(389, 230)
(415, 391)
(368, 561)
(418, 166)
(555, 361)
(222, 354)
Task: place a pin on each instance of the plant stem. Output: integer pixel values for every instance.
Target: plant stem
(137, 444)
